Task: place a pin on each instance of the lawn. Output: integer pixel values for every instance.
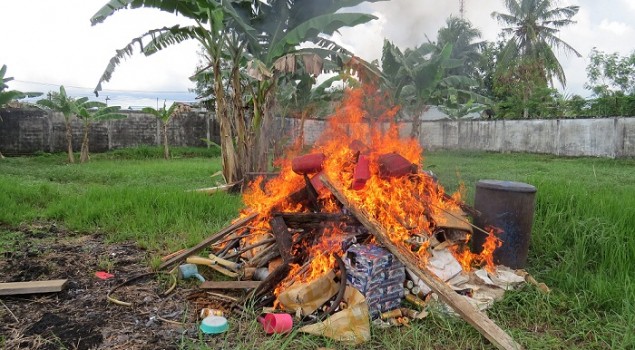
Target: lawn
(583, 241)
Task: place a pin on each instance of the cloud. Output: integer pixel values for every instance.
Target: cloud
(630, 4)
(615, 27)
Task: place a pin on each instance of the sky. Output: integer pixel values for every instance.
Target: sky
(50, 43)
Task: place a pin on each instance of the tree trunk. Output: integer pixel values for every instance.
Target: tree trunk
(84, 155)
(228, 152)
(261, 132)
(416, 123)
(166, 149)
(242, 145)
(69, 141)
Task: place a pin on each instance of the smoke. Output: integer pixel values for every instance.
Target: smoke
(409, 23)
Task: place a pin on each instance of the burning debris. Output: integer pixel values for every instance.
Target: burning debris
(356, 231)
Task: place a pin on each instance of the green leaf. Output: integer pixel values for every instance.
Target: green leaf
(325, 24)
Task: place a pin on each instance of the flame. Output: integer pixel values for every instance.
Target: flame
(403, 205)
(467, 259)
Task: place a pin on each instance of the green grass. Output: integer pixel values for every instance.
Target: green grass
(145, 200)
(583, 239)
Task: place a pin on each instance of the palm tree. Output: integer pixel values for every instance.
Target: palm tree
(61, 102)
(90, 111)
(533, 26)
(165, 115)
(459, 33)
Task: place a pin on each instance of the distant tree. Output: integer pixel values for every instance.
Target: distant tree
(610, 73)
(532, 28)
(61, 102)
(165, 115)
(7, 96)
(466, 46)
(91, 111)
(421, 77)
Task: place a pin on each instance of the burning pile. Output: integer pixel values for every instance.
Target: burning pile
(355, 223)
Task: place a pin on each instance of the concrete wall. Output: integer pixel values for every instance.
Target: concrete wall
(605, 137)
(26, 131)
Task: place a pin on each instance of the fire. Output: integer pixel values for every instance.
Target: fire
(467, 259)
(405, 205)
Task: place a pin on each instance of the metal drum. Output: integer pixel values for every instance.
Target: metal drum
(510, 207)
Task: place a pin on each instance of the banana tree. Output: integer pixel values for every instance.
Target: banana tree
(268, 31)
(211, 28)
(61, 102)
(285, 26)
(420, 78)
(92, 111)
(165, 115)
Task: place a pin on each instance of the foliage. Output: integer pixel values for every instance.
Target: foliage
(611, 73)
(463, 37)
(423, 78)
(266, 35)
(522, 91)
(533, 27)
(6, 95)
(165, 115)
(89, 112)
(68, 106)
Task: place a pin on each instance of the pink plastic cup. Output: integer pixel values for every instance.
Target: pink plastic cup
(276, 323)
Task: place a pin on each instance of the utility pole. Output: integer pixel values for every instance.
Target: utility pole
(462, 8)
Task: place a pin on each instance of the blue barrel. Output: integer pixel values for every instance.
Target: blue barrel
(510, 207)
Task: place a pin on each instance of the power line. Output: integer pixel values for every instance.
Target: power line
(105, 90)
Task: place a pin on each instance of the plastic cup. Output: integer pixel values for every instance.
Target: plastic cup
(276, 323)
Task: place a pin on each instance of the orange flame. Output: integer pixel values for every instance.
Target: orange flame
(403, 205)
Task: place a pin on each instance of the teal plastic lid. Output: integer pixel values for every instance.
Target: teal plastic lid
(214, 325)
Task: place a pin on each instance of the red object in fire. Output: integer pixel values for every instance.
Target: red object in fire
(308, 164)
(394, 165)
(317, 183)
(361, 173)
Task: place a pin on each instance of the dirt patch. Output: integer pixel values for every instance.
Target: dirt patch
(80, 317)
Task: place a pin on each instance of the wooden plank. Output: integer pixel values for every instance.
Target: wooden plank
(32, 287)
(283, 237)
(206, 242)
(229, 284)
(469, 313)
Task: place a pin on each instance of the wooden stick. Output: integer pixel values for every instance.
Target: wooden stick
(206, 242)
(32, 287)
(477, 319)
(229, 284)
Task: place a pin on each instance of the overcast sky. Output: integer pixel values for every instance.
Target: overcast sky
(47, 43)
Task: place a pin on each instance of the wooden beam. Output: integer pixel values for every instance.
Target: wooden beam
(208, 241)
(32, 287)
(229, 284)
(469, 313)
(283, 237)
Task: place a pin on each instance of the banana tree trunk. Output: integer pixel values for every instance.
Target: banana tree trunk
(242, 145)
(84, 155)
(263, 109)
(166, 149)
(228, 152)
(416, 126)
(69, 141)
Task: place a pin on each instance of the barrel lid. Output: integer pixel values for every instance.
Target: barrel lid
(506, 186)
